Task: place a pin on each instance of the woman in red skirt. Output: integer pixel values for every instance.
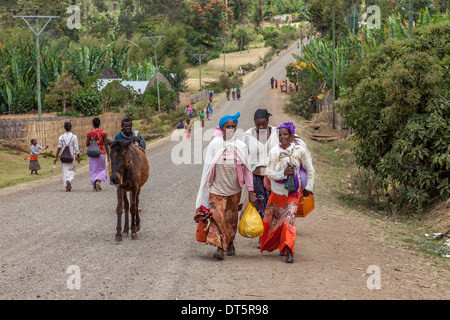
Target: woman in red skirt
(279, 218)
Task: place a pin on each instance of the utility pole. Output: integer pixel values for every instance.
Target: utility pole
(334, 70)
(301, 39)
(154, 40)
(224, 41)
(410, 22)
(199, 57)
(37, 32)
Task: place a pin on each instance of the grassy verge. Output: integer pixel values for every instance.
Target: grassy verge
(14, 168)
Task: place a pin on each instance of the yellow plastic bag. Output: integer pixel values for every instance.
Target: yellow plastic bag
(251, 225)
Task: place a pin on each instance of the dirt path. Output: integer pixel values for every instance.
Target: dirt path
(45, 231)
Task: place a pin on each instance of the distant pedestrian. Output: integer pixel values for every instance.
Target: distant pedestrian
(233, 93)
(202, 117)
(34, 163)
(276, 83)
(97, 166)
(188, 128)
(272, 82)
(264, 64)
(188, 111)
(180, 125)
(68, 169)
(209, 111)
(211, 93)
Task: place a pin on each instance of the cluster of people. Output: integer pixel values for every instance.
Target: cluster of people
(254, 169)
(235, 92)
(188, 112)
(283, 85)
(97, 165)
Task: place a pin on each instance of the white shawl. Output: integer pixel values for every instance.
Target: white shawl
(259, 149)
(278, 159)
(213, 154)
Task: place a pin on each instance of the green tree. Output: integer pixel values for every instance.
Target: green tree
(61, 92)
(400, 112)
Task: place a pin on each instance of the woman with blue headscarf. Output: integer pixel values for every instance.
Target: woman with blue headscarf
(284, 164)
(225, 173)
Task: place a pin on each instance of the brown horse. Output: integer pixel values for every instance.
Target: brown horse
(129, 172)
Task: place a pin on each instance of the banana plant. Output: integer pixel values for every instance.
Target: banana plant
(140, 71)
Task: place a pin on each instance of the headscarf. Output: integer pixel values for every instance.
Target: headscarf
(287, 125)
(228, 117)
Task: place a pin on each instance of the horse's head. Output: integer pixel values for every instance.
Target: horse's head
(119, 159)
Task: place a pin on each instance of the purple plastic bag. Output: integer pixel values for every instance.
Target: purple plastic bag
(303, 177)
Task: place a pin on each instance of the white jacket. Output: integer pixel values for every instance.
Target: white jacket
(295, 154)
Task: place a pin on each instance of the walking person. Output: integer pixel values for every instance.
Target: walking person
(127, 133)
(209, 111)
(228, 93)
(188, 128)
(68, 139)
(276, 83)
(259, 140)
(211, 93)
(202, 117)
(233, 93)
(97, 166)
(272, 82)
(285, 160)
(225, 173)
(34, 154)
(238, 92)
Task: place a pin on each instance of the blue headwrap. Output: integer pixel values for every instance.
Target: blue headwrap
(226, 118)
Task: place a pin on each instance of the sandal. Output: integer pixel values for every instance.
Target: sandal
(289, 256)
(218, 254)
(230, 250)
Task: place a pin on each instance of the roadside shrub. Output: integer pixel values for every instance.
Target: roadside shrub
(400, 114)
(88, 102)
(302, 102)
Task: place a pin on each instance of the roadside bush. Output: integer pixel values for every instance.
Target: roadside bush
(302, 102)
(400, 114)
(88, 102)
(114, 96)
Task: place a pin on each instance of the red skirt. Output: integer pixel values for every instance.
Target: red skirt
(279, 222)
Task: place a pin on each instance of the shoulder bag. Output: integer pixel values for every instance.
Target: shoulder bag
(93, 150)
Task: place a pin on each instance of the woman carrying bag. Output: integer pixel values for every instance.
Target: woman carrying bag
(97, 163)
(283, 171)
(226, 175)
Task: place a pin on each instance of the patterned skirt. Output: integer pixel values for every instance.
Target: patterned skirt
(279, 222)
(262, 194)
(224, 219)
